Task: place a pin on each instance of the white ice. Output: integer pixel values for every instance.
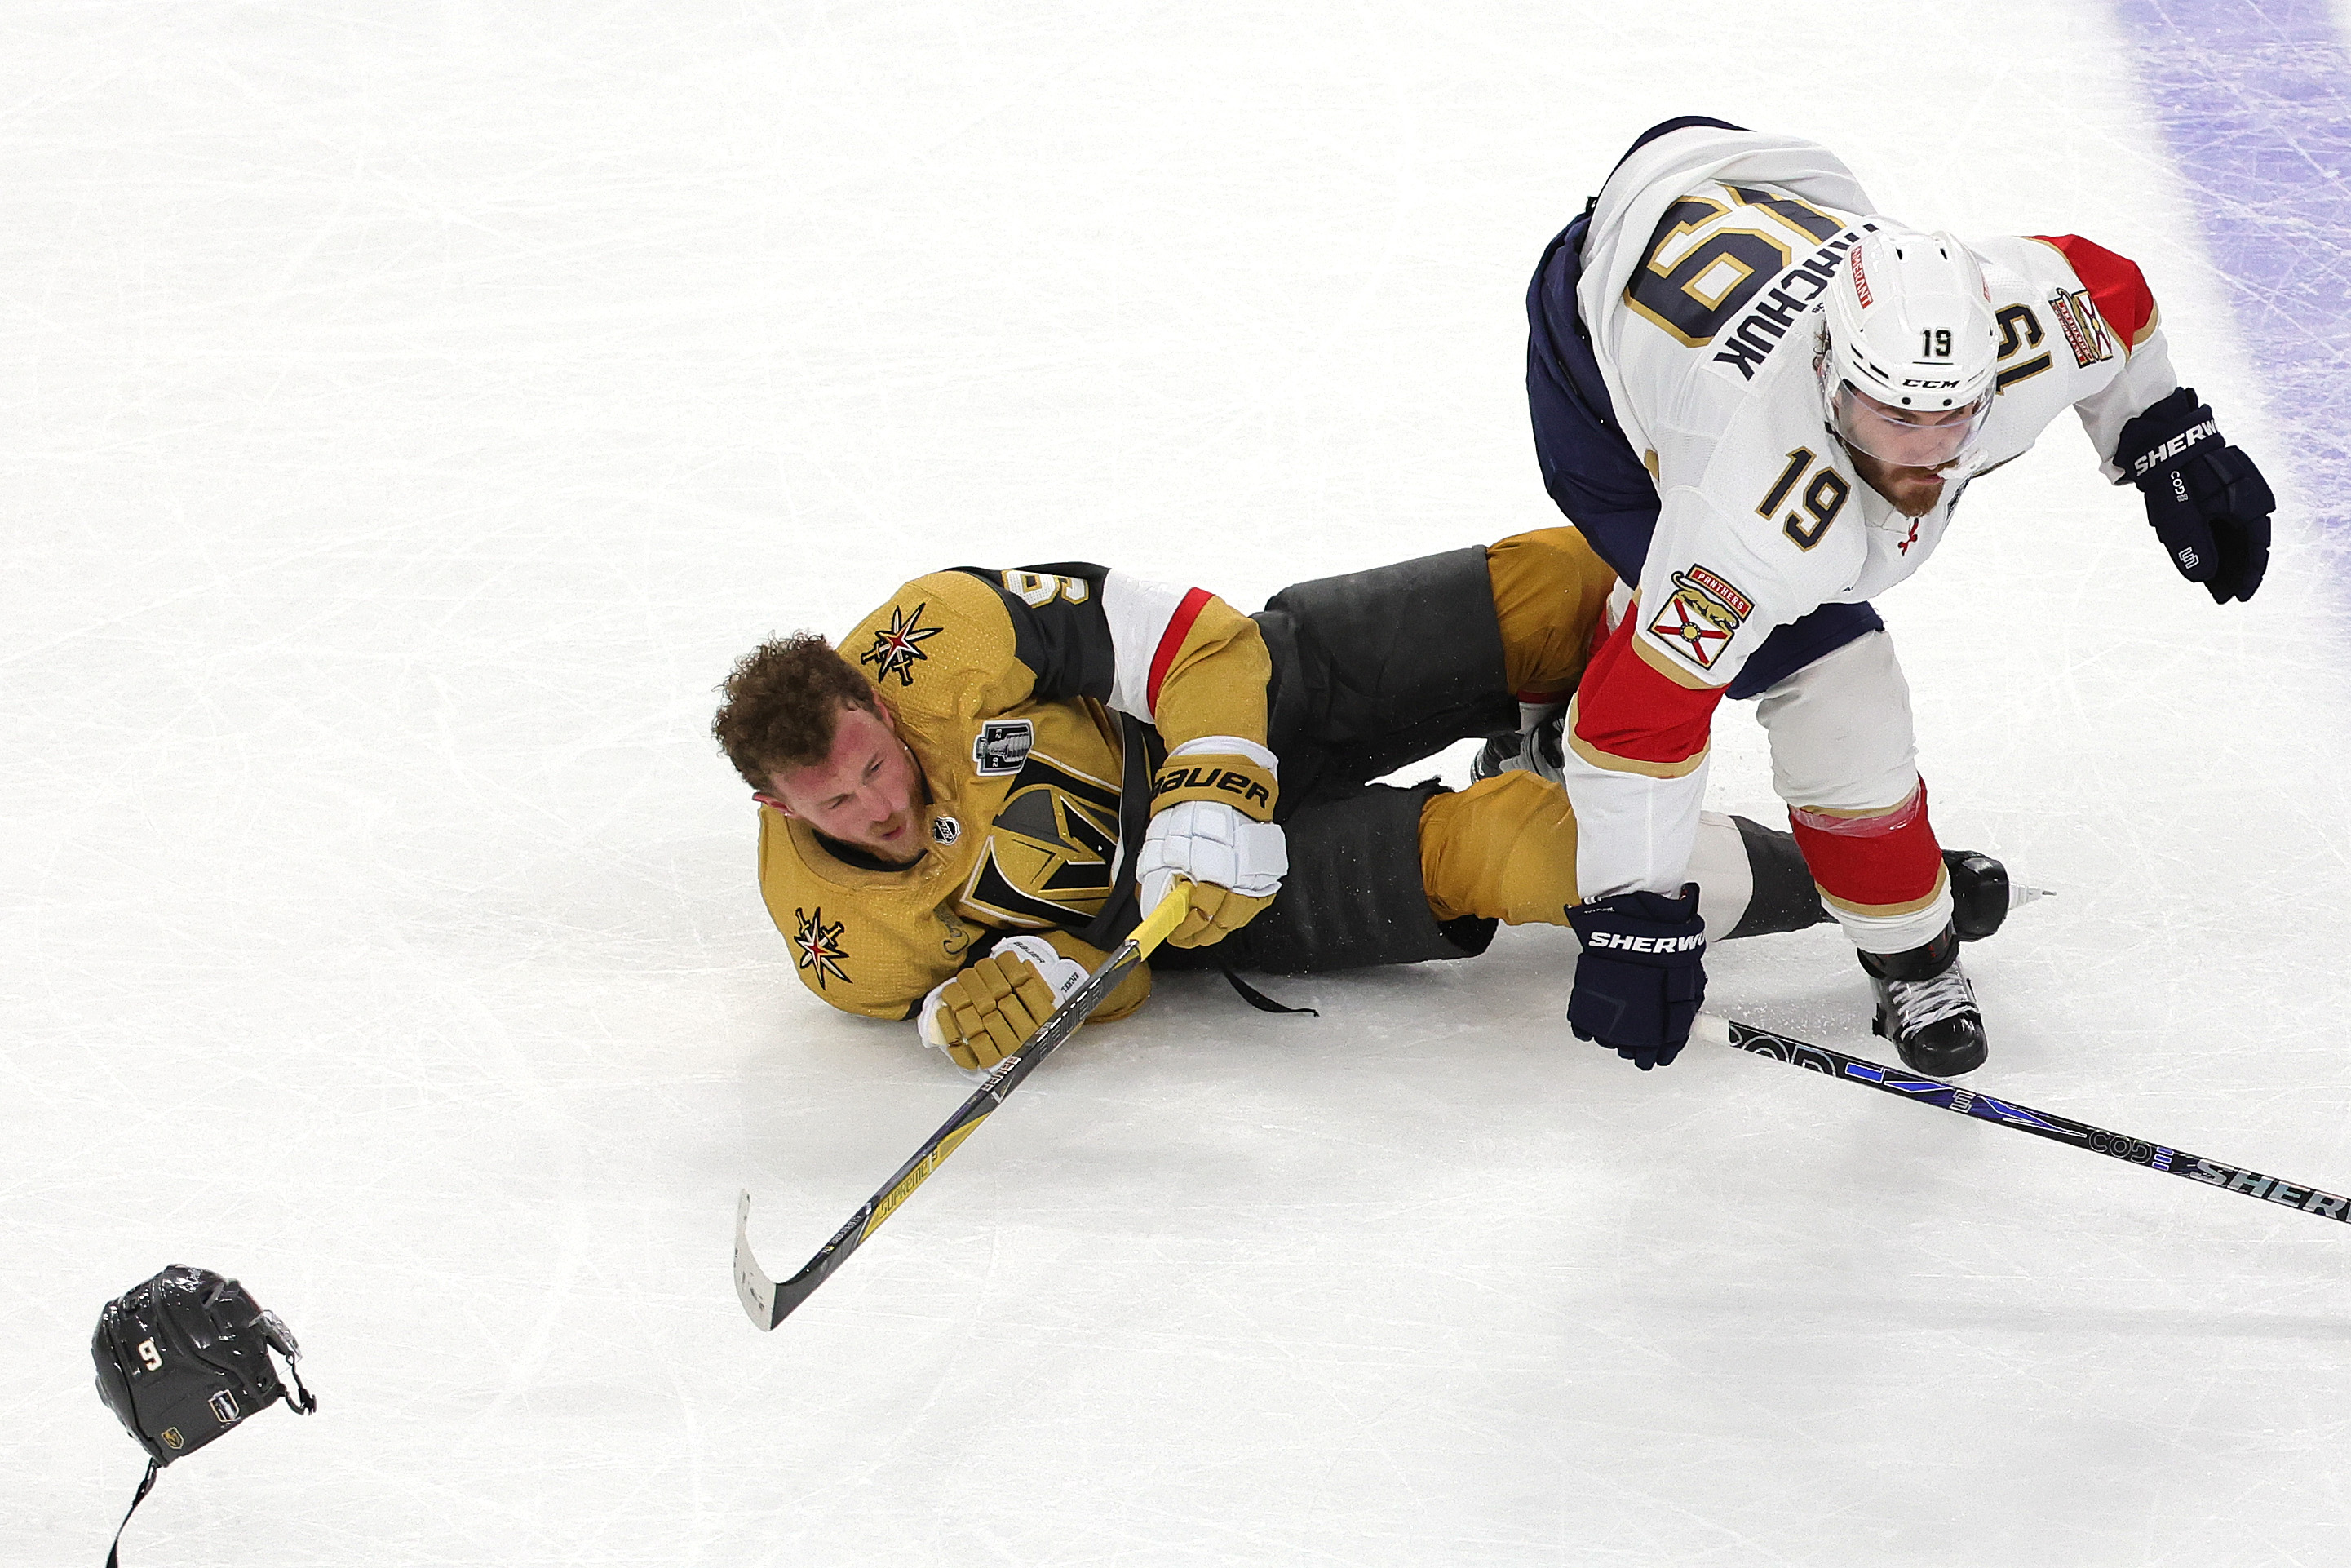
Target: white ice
(411, 410)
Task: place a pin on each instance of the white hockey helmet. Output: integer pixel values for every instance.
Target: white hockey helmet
(1909, 342)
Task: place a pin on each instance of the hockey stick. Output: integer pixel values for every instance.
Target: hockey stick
(2024, 1119)
(770, 1301)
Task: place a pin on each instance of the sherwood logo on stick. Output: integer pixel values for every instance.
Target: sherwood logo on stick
(2141, 1152)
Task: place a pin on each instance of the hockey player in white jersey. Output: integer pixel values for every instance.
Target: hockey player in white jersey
(1761, 400)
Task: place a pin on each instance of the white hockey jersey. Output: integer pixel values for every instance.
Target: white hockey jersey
(1706, 257)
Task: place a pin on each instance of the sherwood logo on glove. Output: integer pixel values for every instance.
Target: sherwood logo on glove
(1644, 943)
(2174, 447)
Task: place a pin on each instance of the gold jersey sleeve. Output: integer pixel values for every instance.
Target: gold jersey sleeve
(1214, 680)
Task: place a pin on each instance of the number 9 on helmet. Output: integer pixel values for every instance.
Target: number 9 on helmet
(1907, 349)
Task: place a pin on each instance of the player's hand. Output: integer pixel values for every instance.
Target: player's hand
(1235, 864)
(997, 1005)
(1212, 825)
(1642, 974)
(2206, 500)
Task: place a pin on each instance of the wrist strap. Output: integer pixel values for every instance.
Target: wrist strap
(154, 1468)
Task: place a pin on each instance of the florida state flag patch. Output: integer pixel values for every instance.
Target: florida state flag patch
(1701, 616)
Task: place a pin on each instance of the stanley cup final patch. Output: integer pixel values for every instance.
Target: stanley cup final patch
(1701, 616)
(1002, 744)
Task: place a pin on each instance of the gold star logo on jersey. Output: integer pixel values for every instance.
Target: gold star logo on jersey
(819, 946)
(894, 650)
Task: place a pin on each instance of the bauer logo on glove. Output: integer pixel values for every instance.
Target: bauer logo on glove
(1234, 782)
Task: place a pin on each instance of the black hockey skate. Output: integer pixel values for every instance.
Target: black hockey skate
(1927, 1008)
(1539, 751)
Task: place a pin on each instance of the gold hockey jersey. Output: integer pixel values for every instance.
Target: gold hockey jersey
(1007, 688)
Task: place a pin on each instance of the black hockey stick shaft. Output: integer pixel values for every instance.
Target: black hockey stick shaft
(768, 1302)
(2205, 1171)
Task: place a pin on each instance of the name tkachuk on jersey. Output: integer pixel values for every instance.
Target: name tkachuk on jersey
(1709, 255)
(1008, 687)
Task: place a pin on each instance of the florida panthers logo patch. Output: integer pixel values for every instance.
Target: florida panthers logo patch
(819, 946)
(895, 652)
(1701, 616)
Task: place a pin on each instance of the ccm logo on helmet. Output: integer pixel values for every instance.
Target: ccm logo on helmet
(2176, 446)
(1644, 943)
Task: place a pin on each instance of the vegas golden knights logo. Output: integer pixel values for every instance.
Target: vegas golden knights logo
(1051, 850)
(895, 650)
(818, 945)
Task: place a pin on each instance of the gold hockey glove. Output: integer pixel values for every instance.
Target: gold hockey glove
(997, 1005)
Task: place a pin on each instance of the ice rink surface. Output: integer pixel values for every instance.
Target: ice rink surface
(412, 411)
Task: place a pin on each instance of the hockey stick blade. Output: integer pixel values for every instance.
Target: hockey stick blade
(2217, 1174)
(768, 1302)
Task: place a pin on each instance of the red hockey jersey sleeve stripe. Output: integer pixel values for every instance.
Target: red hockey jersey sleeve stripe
(1631, 718)
(1171, 642)
(2114, 284)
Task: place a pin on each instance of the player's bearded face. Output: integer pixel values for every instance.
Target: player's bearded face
(868, 792)
(1903, 453)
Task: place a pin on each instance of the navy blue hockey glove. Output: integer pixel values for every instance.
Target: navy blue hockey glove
(1642, 975)
(2208, 503)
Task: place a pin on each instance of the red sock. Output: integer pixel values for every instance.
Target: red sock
(1880, 866)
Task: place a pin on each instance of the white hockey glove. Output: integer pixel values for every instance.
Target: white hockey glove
(1212, 825)
(1236, 864)
(997, 1005)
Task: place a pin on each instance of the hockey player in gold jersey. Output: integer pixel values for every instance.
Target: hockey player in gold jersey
(966, 805)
